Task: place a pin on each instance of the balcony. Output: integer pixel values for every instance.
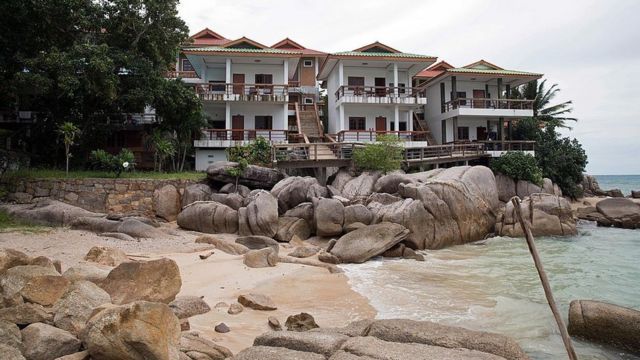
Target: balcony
(489, 107)
(222, 138)
(412, 138)
(181, 74)
(273, 93)
(295, 87)
(381, 95)
(497, 148)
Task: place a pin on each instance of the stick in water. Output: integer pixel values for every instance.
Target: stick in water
(545, 281)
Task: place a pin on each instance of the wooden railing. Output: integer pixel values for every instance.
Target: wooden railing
(312, 151)
(274, 136)
(381, 92)
(511, 145)
(300, 133)
(181, 74)
(243, 92)
(372, 135)
(484, 103)
(417, 154)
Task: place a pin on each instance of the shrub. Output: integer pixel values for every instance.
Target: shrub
(384, 155)
(102, 160)
(257, 152)
(238, 170)
(519, 166)
(562, 160)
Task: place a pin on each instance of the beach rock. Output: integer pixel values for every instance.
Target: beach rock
(506, 187)
(294, 190)
(76, 305)
(353, 226)
(526, 188)
(328, 258)
(605, 323)
(429, 333)
(154, 280)
(261, 258)
(15, 278)
(619, 212)
(10, 258)
(312, 342)
(340, 179)
(232, 189)
(273, 322)
(87, 271)
(11, 353)
(82, 355)
(301, 322)
(166, 202)
(196, 192)
(48, 212)
(357, 214)
(614, 193)
(44, 290)
(222, 328)
(10, 335)
(288, 227)
(275, 353)
(45, 342)
(328, 216)
(129, 226)
(27, 313)
(233, 200)
(198, 348)
(635, 194)
(140, 330)
(184, 325)
(46, 262)
(257, 301)
(106, 256)
(255, 177)
(409, 213)
(235, 308)
(257, 242)
(590, 186)
(231, 248)
(360, 245)
(360, 186)
(188, 306)
(209, 217)
(547, 215)
(260, 216)
(390, 183)
(304, 251)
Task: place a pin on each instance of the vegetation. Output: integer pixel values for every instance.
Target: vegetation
(8, 223)
(238, 170)
(69, 131)
(257, 152)
(383, 155)
(519, 166)
(543, 112)
(123, 161)
(88, 174)
(162, 148)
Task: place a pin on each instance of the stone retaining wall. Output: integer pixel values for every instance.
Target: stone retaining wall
(100, 195)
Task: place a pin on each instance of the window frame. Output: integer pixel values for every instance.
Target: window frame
(305, 102)
(268, 125)
(463, 129)
(182, 63)
(309, 61)
(356, 121)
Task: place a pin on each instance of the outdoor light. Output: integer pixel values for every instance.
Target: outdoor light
(125, 164)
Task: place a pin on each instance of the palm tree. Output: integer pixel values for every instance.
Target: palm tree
(543, 111)
(69, 131)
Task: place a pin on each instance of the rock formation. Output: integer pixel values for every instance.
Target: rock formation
(255, 177)
(546, 214)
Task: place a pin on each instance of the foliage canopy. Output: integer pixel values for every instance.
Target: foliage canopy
(519, 166)
(383, 155)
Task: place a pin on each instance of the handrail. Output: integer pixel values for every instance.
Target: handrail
(371, 135)
(443, 151)
(300, 132)
(381, 91)
(172, 74)
(320, 127)
(244, 134)
(244, 89)
(509, 145)
(488, 103)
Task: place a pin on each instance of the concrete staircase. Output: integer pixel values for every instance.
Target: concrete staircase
(323, 152)
(309, 125)
(421, 125)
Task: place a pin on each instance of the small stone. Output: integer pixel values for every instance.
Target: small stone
(222, 328)
(221, 305)
(184, 324)
(235, 308)
(304, 251)
(328, 258)
(274, 323)
(301, 322)
(205, 256)
(257, 302)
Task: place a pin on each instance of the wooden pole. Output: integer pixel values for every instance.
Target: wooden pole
(545, 281)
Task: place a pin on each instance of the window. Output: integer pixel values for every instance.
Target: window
(264, 79)
(401, 87)
(308, 101)
(186, 65)
(461, 95)
(217, 85)
(357, 123)
(263, 122)
(463, 133)
(307, 63)
(355, 81)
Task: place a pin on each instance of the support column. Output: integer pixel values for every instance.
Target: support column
(455, 129)
(340, 74)
(454, 92)
(285, 117)
(396, 113)
(203, 76)
(227, 116)
(227, 78)
(499, 88)
(341, 124)
(285, 76)
(395, 83)
(410, 120)
(501, 129)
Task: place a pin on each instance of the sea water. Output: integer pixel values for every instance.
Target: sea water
(493, 286)
(626, 183)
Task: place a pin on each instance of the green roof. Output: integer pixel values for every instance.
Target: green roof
(492, 72)
(242, 50)
(381, 54)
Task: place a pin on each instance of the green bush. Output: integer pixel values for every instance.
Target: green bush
(519, 166)
(384, 155)
(562, 160)
(257, 152)
(123, 161)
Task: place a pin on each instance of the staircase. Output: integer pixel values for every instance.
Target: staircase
(421, 125)
(309, 123)
(321, 152)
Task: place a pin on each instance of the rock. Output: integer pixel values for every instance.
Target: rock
(361, 245)
(620, 212)
(303, 211)
(635, 194)
(258, 242)
(260, 216)
(184, 325)
(15, 278)
(196, 192)
(275, 353)
(129, 226)
(106, 256)
(11, 353)
(266, 257)
(10, 335)
(188, 306)
(44, 290)
(224, 246)
(46, 262)
(357, 214)
(409, 213)
(82, 355)
(395, 252)
(166, 202)
(209, 217)
(429, 333)
(389, 183)
(45, 342)
(87, 271)
(340, 179)
(409, 253)
(383, 199)
(328, 217)
(273, 322)
(294, 190)
(24, 314)
(10, 258)
(526, 188)
(154, 280)
(233, 200)
(605, 323)
(304, 251)
(222, 328)
(253, 176)
(614, 193)
(301, 322)
(353, 226)
(235, 309)
(140, 330)
(231, 189)
(590, 186)
(328, 258)
(76, 305)
(119, 236)
(547, 215)
(257, 302)
(361, 186)
(314, 342)
(198, 348)
(288, 227)
(48, 212)
(506, 187)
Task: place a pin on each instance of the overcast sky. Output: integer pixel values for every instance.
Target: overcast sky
(590, 48)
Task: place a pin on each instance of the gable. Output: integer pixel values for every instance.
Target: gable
(377, 47)
(243, 45)
(288, 44)
(483, 65)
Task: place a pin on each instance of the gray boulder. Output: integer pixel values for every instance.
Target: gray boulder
(196, 192)
(188, 306)
(129, 226)
(288, 227)
(506, 187)
(260, 216)
(45, 342)
(328, 216)
(258, 242)
(255, 177)
(305, 251)
(257, 302)
(361, 186)
(166, 202)
(619, 212)
(526, 188)
(361, 245)
(11, 353)
(196, 347)
(340, 179)
(301, 322)
(228, 247)
(87, 271)
(10, 335)
(233, 189)
(590, 186)
(313, 342)
(303, 211)
(275, 353)
(547, 215)
(233, 200)
(295, 190)
(390, 183)
(357, 213)
(48, 212)
(266, 257)
(209, 217)
(76, 306)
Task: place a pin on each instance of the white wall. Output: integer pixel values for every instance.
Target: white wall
(250, 71)
(370, 112)
(251, 110)
(334, 111)
(206, 157)
(370, 73)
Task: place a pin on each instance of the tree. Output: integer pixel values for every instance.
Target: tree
(238, 170)
(383, 155)
(162, 146)
(258, 152)
(69, 131)
(543, 111)
(519, 166)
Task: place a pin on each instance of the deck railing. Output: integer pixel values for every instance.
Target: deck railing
(416, 154)
(181, 74)
(510, 145)
(484, 103)
(273, 136)
(372, 135)
(380, 92)
(312, 151)
(243, 92)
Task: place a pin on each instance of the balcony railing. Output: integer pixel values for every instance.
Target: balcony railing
(181, 74)
(436, 152)
(382, 94)
(372, 135)
(483, 103)
(243, 92)
(510, 145)
(273, 136)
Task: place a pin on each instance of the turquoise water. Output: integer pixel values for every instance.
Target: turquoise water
(626, 183)
(493, 286)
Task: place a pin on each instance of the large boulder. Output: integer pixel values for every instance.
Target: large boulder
(45, 342)
(228, 247)
(198, 348)
(154, 280)
(137, 331)
(314, 342)
(44, 290)
(357, 214)
(166, 202)
(546, 214)
(196, 192)
(209, 217)
(87, 271)
(233, 189)
(76, 305)
(260, 216)
(14, 279)
(258, 242)
(390, 183)
(590, 186)
(409, 213)
(26, 313)
(361, 245)
(361, 186)
(506, 187)
(525, 188)
(10, 335)
(303, 211)
(130, 226)
(328, 216)
(188, 306)
(605, 323)
(10, 258)
(255, 177)
(295, 190)
(48, 212)
(275, 353)
(288, 227)
(266, 257)
(619, 212)
(104, 255)
(340, 179)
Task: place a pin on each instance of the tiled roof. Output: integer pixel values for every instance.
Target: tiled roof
(240, 50)
(381, 54)
(492, 72)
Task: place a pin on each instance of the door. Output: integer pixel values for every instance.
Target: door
(238, 81)
(381, 84)
(444, 131)
(356, 84)
(481, 133)
(479, 94)
(237, 124)
(381, 123)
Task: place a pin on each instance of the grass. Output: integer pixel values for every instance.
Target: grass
(9, 224)
(84, 174)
